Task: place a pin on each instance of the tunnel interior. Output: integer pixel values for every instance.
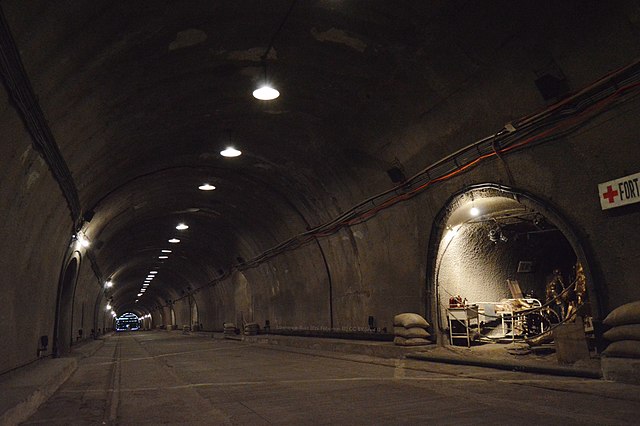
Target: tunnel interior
(140, 174)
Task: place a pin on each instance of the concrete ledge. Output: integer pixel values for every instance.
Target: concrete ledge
(506, 364)
(26, 388)
(360, 347)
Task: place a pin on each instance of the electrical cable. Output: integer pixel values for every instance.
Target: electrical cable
(556, 121)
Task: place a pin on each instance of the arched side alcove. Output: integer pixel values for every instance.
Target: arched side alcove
(63, 333)
(488, 234)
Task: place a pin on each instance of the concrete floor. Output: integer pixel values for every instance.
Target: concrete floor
(169, 378)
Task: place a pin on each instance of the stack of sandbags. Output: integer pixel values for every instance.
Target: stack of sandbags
(251, 328)
(621, 359)
(410, 330)
(229, 329)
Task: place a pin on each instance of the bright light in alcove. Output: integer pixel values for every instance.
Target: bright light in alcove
(108, 307)
(474, 211)
(230, 152)
(108, 284)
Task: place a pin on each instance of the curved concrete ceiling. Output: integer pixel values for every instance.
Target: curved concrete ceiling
(142, 96)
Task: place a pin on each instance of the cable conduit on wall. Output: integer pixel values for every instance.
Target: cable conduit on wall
(19, 88)
(21, 93)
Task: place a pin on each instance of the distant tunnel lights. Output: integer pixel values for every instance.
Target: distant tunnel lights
(206, 187)
(108, 284)
(108, 307)
(139, 294)
(166, 251)
(182, 227)
(163, 257)
(174, 241)
(153, 272)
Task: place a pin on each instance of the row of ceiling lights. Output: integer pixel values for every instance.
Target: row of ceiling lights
(84, 241)
(163, 256)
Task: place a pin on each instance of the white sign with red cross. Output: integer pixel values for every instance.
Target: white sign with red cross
(620, 192)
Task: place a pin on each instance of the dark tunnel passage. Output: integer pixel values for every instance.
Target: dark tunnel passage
(141, 174)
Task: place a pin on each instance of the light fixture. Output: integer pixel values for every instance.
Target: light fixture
(166, 251)
(163, 257)
(182, 227)
(174, 241)
(145, 285)
(139, 294)
(136, 300)
(83, 240)
(108, 307)
(474, 211)
(265, 92)
(231, 152)
(108, 284)
(153, 272)
(206, 187)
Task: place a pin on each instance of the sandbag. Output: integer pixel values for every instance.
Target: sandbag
(628, 313)
(410, 333)
(401, 341)
(623, 332)
(623, 349)
(408, 320)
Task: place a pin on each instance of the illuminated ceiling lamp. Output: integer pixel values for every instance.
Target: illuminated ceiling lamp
(265, 92)
(206, 187)
(230, 152)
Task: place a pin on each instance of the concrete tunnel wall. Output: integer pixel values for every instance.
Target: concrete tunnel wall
(378, 268)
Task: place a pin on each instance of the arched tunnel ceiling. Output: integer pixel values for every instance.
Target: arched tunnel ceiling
(142, 96)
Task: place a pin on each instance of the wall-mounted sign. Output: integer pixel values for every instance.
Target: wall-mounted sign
(620, 192)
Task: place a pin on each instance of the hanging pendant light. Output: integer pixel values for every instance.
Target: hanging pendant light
(265, 92)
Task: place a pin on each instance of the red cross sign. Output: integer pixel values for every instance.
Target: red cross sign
(611, 194)
(619, 192)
